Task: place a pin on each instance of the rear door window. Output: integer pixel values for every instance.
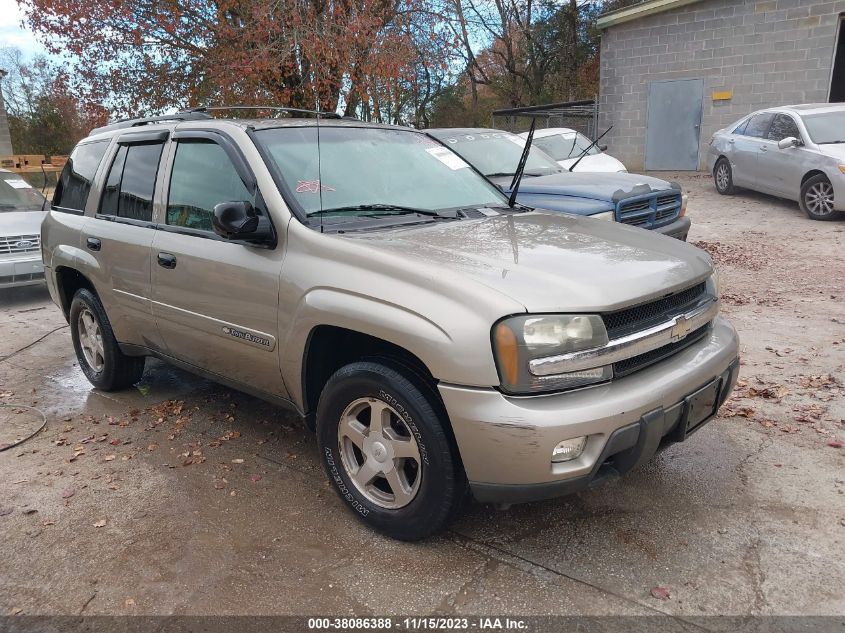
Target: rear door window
(131, 182)
(75, 181)
(758, 125)
(783, 127)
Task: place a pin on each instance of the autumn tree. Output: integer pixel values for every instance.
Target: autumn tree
(45, 116)
(143, 56)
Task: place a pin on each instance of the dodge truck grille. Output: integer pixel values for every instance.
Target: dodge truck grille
(14, 244)
(649, 212)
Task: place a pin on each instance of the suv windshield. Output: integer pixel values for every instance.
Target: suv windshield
(565, 145)
(498, 154)
(16, 194)
(361, 171)
(826, 128)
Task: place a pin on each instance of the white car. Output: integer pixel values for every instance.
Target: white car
(793, 152)
(565, 146)
(22, 208)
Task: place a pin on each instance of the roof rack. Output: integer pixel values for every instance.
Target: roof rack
(127, 123)
(206, 109)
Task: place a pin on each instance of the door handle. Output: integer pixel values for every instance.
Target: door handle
(93, 244)
(166, 260)
(763, 148)
(731, 141)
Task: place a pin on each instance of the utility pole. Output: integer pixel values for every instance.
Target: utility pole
(5, 135)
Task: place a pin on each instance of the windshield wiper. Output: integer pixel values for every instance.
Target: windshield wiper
(829, 142)
(588, 148)
(387, 209)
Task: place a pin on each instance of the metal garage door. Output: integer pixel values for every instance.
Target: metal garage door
(674, 124)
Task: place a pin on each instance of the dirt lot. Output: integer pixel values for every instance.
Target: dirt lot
(184, 497)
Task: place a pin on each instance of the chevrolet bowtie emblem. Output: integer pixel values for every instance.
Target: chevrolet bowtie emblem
(681, 328)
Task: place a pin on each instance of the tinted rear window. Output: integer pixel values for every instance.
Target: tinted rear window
(75, 182)
(758, 126)
(131, 182)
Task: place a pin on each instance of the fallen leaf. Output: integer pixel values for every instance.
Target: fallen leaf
(129, 602)
(835, 444)
(255, 477)
(109, 458)
(100, 523)
(661, 593)
(152, 446)
(237, 461)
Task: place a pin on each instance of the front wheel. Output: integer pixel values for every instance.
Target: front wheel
(386, 450)
(817, 198)
(723, 177)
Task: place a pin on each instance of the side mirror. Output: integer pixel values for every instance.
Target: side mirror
(602, 148)
(789, 141)
(239, 221)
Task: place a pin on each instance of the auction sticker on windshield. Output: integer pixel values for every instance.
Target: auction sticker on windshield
(19, 183)
(445, 156)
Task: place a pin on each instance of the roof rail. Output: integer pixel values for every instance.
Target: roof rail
(206, 109)
(127, 123)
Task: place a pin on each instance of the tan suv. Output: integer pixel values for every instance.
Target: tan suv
(365, 276)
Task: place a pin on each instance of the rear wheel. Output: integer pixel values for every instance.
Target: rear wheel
(385, 448)
(817, 198)
(97, 351)
(723, 177)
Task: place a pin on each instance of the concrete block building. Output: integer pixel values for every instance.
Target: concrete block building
(675, 71)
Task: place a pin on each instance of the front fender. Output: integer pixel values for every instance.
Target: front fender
(443, 352)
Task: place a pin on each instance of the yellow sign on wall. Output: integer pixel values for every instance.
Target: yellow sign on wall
(723, 95)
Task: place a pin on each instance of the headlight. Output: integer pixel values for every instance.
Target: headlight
(714, 285)
(519, 340)
(842, 168)
(607, 215)
(684, 201)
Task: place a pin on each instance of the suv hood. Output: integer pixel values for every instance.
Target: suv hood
(597, 186)
(550, 262)
(15, 223)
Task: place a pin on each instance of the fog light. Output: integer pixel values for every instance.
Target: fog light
(567, 450)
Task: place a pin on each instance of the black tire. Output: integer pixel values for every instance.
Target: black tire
(810, 201)
(441, 489)
(723, 177)
(118, 370)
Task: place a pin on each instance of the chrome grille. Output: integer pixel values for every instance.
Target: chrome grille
(650, 211)
(635, 363)
(12, 244)
(646, 315)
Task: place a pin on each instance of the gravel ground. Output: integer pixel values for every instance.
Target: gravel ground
(183, 497)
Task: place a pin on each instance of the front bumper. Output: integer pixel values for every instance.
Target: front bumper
(679, 229)
(23, 270)
(506, 443)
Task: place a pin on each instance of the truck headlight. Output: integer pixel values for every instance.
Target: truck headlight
(519, 340)
(714, 285)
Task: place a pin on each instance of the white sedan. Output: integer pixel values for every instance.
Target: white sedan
(22, 208)
(794, 152)
(565, 146)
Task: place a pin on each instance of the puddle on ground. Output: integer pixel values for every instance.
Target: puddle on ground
(69, 391)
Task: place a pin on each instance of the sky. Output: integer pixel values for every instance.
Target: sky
(11, 32)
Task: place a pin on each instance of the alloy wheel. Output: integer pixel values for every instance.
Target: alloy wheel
(722, 177)
(91, 340)
(819, 198)
(379, 453)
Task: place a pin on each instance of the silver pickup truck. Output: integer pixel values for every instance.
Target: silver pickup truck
(436, 339)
